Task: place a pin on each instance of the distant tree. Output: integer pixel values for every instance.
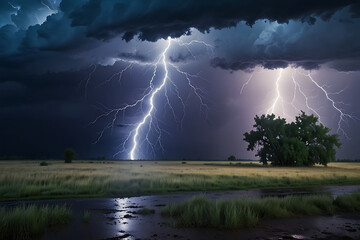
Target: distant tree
(231, 158)
(69, 155)
(304, 142)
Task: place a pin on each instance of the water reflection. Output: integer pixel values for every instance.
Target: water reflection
(124, 214)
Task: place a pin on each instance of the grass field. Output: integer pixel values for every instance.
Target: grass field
(202, 212)
(29, 180)
(29, 222)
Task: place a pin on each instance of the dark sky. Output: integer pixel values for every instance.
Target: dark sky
(68, 66)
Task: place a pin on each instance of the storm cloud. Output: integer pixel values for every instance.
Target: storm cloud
(160, 19)
(33, 31)
(274, 45)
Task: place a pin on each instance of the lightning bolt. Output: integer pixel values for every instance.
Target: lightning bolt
(151, 101)
(278, 97)
(47, 6)
(13, 6)
(297, 86)
(148, 98)
(119, 74)
(88, 79)
(246, 83)
(343, 116)
(187, 45)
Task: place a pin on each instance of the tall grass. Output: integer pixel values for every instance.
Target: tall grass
(202, 212)
(27, 222)
(348, 202)
(27, 180)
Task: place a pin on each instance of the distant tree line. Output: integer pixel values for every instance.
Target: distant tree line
(304, 142)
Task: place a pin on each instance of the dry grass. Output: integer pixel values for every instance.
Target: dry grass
(27, 180)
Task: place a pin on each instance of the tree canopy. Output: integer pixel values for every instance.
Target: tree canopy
(304, 142)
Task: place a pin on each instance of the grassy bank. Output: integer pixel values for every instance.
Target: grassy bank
(28, 180)
(202, 212)
(27, 222)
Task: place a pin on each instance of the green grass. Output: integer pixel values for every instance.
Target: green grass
(145, 211)
(86, 216)
(348, 202)
(27, 180)
(27, 222)
(202, 212)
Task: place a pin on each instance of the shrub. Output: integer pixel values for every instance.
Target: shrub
(44, 164)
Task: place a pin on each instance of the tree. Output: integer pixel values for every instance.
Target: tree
(293, 152)
(267, 134)
(231, 158)
(304, 142)
(69, 155)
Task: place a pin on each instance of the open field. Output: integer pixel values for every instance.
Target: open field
(28, 180)
(202, 212)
